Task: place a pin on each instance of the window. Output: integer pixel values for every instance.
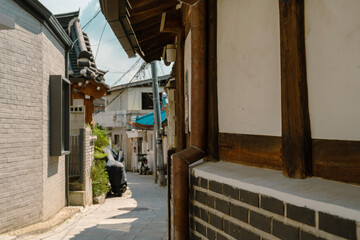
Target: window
(116, 139)
(59, 116)
(147, 100)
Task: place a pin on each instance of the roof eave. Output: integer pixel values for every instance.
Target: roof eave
(120, 25)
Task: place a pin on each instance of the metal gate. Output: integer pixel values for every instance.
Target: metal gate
(76, 156)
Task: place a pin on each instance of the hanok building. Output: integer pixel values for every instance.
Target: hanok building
(271, 91)
(87, 80)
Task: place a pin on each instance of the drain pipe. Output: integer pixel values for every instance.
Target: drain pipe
(198, 133)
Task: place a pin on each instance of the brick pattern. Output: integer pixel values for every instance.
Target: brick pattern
(32, 185)
(220, 211)
(89, 141)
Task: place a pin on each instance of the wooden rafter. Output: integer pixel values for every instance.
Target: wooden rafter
(151, 10)
(138, 3)
(170, 22)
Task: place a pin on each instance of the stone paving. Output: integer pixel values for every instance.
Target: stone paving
(140, 214)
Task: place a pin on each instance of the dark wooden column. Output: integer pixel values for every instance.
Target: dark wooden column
(296, 135)
(180, 101)
(213, 119)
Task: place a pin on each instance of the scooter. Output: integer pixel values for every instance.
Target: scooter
(143, 164)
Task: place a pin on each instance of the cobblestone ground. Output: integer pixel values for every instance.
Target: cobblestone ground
(139, 214)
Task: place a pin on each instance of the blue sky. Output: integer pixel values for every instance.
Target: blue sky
(111, 55)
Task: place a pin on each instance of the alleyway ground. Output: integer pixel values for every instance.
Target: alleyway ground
(140, 214)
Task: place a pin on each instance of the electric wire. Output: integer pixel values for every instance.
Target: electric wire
(83, 28)
(142, 67)
(97, 13)
(129, 70)
(102, 33)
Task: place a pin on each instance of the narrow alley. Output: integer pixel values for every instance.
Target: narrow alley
(139, 214)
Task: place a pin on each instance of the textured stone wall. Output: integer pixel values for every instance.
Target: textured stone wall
(89, 141)
(221, 211)
(32, 185)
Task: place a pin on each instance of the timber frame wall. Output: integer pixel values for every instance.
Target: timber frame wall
(295, 152)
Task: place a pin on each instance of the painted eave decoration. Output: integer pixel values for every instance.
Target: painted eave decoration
(136, 24)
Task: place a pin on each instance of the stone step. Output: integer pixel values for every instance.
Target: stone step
(75, 186)
(77, 198)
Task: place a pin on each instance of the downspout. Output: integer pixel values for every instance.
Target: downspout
(198, 136)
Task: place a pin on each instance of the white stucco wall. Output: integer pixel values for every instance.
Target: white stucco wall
(333, 65)
(249, 90)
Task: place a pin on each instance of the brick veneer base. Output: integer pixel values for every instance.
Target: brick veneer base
(221, 211)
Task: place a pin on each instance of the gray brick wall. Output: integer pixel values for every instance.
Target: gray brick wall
(32, 186)
(54, 199)
(89, 141)
(220, 211)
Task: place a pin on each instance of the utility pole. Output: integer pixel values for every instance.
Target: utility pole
(159, 156)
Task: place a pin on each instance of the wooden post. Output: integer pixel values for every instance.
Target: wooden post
(296, 135)
(213, 119)
(180, 102)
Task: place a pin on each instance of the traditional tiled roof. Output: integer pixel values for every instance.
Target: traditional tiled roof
(82, 63)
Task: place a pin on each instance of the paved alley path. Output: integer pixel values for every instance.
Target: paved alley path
(141, 215)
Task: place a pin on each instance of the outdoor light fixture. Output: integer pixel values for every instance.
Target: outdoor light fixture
(171, 53)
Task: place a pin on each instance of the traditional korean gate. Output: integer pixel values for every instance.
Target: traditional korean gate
(76, 156)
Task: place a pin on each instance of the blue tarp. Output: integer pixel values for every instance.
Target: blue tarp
(148, 119)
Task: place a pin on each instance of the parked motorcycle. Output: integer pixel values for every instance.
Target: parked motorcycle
(116, 171)
(143, 164)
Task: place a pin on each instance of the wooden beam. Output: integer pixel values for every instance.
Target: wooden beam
(89, 110)
(152, 9)
(138, 3)
(251, 150)
(337, 160)
(189, 2)
(152, 23)
(170, 22)
(296, 135)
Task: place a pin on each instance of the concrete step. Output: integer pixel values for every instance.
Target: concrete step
(75, 186)
(77, 198)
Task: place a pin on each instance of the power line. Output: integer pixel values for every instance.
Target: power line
(107, 41)
(97, 13)
(83, 28)
(130, 69)
(142, 67)
(98, 47)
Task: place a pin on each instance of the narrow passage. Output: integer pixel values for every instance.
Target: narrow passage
(139, 214)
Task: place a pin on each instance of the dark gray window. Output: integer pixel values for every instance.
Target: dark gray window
(59, 115)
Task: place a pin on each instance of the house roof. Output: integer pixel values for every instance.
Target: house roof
(36, 9)
(139, 83)
(82, 63)
(136, 24)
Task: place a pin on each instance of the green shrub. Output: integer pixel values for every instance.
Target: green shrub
(100, 178)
